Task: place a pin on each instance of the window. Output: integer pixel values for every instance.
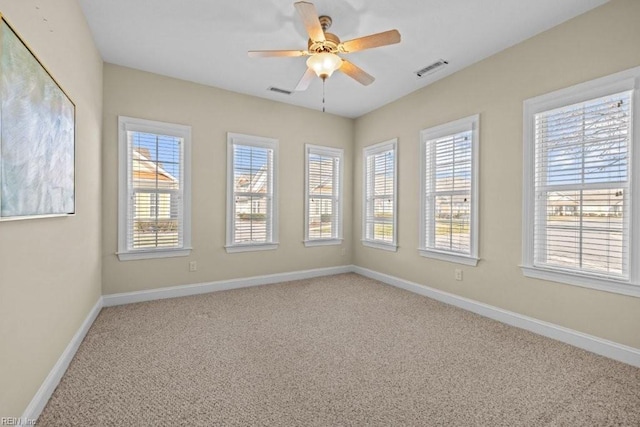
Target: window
(154, 191)
(379, 224)
(449, 191)
(251, 189)
(323, 195)
(580, 189)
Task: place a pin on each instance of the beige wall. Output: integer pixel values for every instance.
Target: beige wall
(601, 42)
(212, 113)
(50, 268)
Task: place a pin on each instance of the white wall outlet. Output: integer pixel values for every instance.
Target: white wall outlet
(193, 266)
(458, 274)
(343, 252)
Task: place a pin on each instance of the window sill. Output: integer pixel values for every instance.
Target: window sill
(322, 242)
(448, 256)
(232, 249)
(591, 282)
(155, 253)
(380, 245)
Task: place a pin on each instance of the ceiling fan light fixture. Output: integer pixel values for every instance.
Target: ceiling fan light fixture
(324, 64)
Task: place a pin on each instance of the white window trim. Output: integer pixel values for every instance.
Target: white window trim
(126, 124)
(618, 82)
(330, 152)
(250, 247)
(457, 126)
(254, 141)
(391, 144)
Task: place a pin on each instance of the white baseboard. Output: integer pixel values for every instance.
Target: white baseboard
(222, 285)
(610, 349)
(587, 342)
(40, 399)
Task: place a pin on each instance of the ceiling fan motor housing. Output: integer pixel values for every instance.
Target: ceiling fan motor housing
(329, 45)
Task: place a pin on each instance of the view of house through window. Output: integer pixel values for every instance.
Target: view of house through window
(581, 186)
(154, 183)
(154, 189)
(252, 169)
(324, 176)
(380, 197)
(251, 203)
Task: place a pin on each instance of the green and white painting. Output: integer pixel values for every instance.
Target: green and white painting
(37, 136)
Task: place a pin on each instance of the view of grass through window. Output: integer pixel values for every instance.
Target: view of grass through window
(449, 192)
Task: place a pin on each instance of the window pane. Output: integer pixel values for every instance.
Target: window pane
(582, 160)
(447, 168)
(584, 229)
(251, 219)
(380, 199)
(383, 219)
(383, 231)
(452, 223)
(321, 224)
(322, 193)
(559, 244)
(251, 168)
(383, 174)
(584, 143)
(453, 162)
(252, 179)
(321, 174)
(579, 219)
(154, 181)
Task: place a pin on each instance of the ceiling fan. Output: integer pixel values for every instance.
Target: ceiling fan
(323, 47)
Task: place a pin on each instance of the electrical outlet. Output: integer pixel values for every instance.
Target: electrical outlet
(193, 266)
(343, 252)
(458, 274)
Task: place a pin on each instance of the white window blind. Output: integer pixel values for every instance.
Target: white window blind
(153, 193)
(449, 208)
(323, 217)
(582, 186)
(155, 190)
(380, 195)
(251, 222)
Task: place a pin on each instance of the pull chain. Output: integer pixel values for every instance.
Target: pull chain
(323, 81)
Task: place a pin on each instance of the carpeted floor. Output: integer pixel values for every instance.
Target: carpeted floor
(333, 351)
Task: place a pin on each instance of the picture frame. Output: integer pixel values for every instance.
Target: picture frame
(37, 135)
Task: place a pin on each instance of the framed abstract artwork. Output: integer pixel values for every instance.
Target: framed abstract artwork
(37, 135)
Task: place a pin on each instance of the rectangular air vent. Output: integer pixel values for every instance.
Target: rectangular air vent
(281, 91)
(430, 69)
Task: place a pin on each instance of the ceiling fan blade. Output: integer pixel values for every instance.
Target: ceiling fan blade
(374, 40)
(275, 53)
(310, 19)
(305, 81)
(356, 73)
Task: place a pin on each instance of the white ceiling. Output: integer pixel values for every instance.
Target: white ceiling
(206, 41)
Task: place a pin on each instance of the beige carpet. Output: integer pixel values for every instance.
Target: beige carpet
(334, 351)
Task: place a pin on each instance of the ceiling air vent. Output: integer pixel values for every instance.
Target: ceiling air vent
(430, 69)
(280, 91)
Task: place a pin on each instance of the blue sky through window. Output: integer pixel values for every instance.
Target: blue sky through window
(587, 142)
(448, 165)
